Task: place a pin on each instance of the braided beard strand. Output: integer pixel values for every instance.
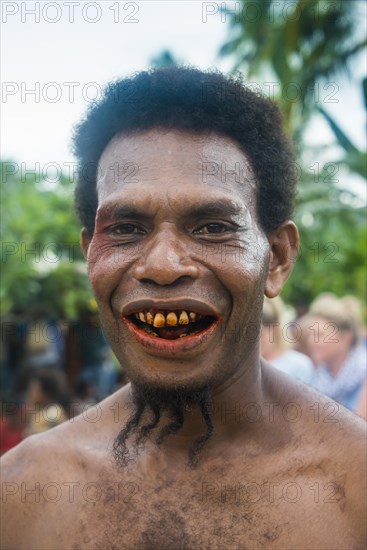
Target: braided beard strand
(155, 402)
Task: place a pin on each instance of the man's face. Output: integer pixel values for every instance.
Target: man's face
(177, 243)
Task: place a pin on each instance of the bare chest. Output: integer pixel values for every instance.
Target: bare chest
(208, 512)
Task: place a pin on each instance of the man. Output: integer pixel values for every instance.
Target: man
(185, 193)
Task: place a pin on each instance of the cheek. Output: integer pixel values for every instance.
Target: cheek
(249, 270)
(103, 266)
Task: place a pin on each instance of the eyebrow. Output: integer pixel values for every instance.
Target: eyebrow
(213, 208)
(117, 212)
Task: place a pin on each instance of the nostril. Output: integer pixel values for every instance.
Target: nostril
(165, 267)
(167, 281)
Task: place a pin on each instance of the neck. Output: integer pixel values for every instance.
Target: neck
(168, 424)
(235, 408)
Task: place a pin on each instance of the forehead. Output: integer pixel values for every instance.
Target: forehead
(192, 166)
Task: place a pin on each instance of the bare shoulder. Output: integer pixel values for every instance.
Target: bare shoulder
(39, 454)
(46, 473)
(313, 412)
(33, 465)
(322, 423)
(66, 447)
(329, 439)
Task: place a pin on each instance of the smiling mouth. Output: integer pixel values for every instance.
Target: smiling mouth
(171, 324)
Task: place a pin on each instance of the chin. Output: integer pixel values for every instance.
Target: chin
(170, 379)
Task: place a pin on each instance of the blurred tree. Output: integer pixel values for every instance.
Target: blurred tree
(163, 60)
(332, 254)
(300, 43)
(41, 259)
(296, 48)
(354, 159)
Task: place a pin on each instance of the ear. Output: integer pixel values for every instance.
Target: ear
(85, 240)
(284, 243)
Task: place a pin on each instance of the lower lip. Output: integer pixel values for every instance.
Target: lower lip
(170, 347)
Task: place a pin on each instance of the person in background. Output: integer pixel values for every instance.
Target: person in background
(11, 429)
(362, 402)
(274, 346)
(335, 348)
(85, 396)
(355, 308)
(47, 400)
(44, 341)
(88, 356)
(301, 334)
(12, 349)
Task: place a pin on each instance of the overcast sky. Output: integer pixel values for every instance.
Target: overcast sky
(66, 51)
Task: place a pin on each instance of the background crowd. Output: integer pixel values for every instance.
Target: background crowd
(52, 370)
(324, 347)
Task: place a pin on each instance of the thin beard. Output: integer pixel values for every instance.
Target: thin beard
(199, 443)
(157, 402)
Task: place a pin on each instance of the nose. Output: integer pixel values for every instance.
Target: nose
(165, 260)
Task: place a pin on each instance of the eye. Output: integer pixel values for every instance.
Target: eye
(212, 228)
(125, 229)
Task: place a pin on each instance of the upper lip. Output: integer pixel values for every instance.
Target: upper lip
(188, 304)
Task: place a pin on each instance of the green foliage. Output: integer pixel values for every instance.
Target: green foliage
(41, 259)
(299, 43)
(355, 159)
(331, 257)
(304, 44)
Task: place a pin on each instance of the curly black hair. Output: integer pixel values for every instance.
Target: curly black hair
(191, 100)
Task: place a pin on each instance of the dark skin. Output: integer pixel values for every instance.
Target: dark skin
(282, 469)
